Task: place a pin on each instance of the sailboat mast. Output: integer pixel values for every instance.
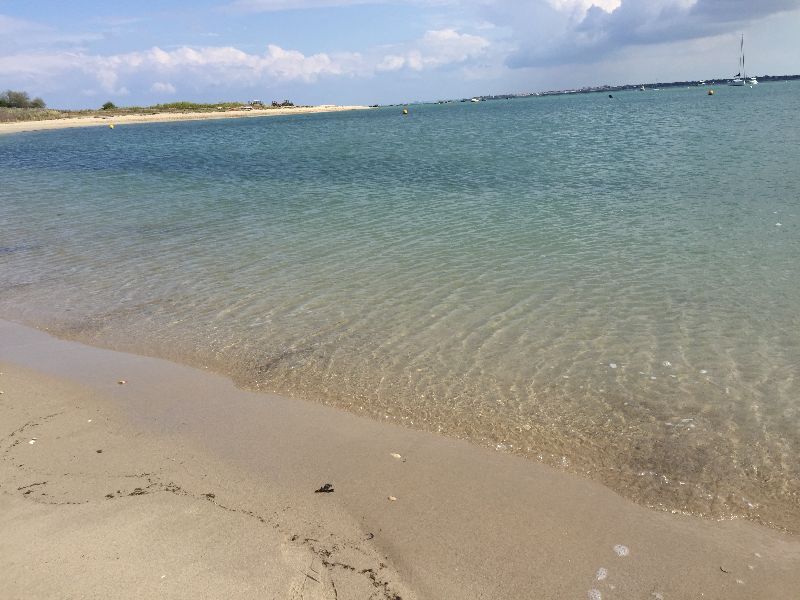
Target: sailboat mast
(744, 72)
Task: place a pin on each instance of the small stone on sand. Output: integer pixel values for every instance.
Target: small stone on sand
(392, 499)
(395, 455)
(122, 382)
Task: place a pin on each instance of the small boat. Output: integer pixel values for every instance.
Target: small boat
(741, 79)
(641, 89)
(752, 81)
(474, 100)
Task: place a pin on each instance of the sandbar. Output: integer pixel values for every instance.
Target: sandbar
(164, 117)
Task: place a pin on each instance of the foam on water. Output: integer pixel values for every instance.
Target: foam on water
(600, 286)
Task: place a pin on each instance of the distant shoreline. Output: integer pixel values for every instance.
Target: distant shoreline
(164, 117)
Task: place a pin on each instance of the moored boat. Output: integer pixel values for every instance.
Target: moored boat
(741, 79)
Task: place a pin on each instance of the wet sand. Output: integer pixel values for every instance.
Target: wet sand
(97, 121)
(178, 484)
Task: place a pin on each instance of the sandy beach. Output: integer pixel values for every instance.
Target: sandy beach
(177, 484)
(97, 121)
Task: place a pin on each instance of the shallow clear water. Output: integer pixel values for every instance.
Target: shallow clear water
(600, 284)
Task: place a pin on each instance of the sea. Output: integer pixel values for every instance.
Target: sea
(610, 286)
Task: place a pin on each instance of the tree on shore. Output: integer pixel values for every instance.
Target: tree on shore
(12, 99)
(109, 106)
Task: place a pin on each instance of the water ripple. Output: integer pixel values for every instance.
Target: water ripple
(599, 286)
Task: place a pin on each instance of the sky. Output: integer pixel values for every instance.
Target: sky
(82, 53)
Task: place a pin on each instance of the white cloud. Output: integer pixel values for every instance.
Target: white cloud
(158, 70)
(435, 49)
(282, 5)
(586, 31)
(448, 46)
(581, 6)
(11, 25)
(161, 87)
(210, 65)
(391, 62)
(17, 33)
(279, 5)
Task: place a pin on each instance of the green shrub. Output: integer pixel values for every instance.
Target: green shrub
(12, 99)
(109, 106)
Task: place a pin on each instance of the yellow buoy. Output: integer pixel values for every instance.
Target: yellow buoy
(710, 92)
(405, 111)
(111, 126)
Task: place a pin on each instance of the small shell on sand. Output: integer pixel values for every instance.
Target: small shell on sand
(122, 382)
(395, 455)
(392, 499)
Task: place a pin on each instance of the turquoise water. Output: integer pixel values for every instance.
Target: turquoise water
(600, 284)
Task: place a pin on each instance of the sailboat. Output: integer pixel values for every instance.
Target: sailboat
(741, 79)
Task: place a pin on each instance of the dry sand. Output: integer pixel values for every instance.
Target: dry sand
(203, 490)
(95, 121)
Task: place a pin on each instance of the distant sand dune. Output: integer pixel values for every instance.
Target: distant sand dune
(96, 121)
